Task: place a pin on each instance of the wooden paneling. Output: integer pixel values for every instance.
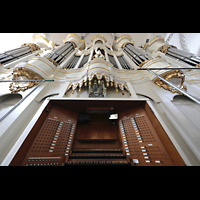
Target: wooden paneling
(53, 141)
(136, 138)
(141, 140)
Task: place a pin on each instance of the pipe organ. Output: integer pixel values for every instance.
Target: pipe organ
(99, 104)
(15, 54)
(60, 54)
(112, 60)
(84, 61)
(159, 44)
(137, 56)
(124, 63)
(183, 56)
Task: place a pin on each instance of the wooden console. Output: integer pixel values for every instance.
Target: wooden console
(79, 132)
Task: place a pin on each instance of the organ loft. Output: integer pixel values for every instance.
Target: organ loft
(99, 103)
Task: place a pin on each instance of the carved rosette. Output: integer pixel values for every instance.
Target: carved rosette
(169, 76)
(22, 73)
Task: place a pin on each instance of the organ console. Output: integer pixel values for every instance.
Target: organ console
(99, 133)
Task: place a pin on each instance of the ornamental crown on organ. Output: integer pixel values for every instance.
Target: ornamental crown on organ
(98, 66)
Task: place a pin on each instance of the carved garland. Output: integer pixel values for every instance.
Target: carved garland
(27, 74)
(168, 76)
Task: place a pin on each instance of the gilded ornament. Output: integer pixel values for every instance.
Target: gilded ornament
(33, 46)
(110, 81)
(24, 74)
(165, 48)
(146, 61)
(198, 65)
(168, 76)
(53, 61)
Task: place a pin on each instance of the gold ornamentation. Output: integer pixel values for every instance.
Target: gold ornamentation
(71, 34)
(168, 76)
(98, 35)
(24, 74)
(73, 43)
(109, 82)
(154, 40)
(125, 43)
(124, 36)
(53, 61)
(71, 37)
(165, 47)
(40, 36)
(146, 61)
(198, 65)
(33, 46)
